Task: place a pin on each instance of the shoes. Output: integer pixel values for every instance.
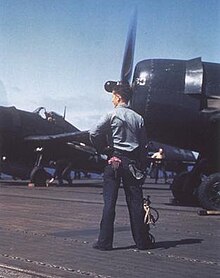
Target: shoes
(148, 246)
(101, 248)
(142, 248)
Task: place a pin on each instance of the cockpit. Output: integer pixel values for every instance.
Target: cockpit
(50, 116)
(41, 111)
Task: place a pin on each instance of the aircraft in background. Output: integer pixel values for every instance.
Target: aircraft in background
(180, 102)
(25, 158)
(30, 140)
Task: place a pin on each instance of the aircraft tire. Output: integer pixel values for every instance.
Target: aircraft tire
(183, 188)
(39, 176)
(209, 192)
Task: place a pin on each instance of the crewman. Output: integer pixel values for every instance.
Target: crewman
(158, 164)
(126, 136)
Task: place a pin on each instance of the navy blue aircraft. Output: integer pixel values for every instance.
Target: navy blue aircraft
(180, 103)
(31, 140)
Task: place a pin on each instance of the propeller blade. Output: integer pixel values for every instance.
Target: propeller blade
(64, 113)
(127, 65)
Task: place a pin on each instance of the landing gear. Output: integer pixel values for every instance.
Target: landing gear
(189, 188)
(38, 175)
(184, 187)
(208, 192)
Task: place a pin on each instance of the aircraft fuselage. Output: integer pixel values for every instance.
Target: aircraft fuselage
(174, 98)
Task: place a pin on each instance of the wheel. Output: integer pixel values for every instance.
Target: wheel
(39, 176)
(183, 187)
(208, 192)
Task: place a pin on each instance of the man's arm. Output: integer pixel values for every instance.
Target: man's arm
(98, 134)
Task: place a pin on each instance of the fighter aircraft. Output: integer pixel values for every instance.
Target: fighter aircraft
(180, 102)
(181, 107)
(24, 158)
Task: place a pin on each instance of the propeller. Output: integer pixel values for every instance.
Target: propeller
(64, 113)
(127, 64)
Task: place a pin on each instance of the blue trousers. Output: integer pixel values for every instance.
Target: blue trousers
(158, 167)
(134, 199)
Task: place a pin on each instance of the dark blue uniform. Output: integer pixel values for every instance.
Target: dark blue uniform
(126, 134)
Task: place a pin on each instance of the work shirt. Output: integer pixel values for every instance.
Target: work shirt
(123, 127)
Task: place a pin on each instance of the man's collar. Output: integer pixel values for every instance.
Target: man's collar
(122, 105)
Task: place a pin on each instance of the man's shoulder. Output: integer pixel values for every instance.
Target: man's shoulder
(128, 113)
(137, 115)
(130, 110)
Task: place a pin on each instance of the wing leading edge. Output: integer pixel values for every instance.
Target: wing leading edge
(78, 136)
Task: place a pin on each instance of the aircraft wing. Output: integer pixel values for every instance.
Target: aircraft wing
(73, 146)
(78, 136)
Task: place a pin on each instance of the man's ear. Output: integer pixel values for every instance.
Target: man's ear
(118, 96)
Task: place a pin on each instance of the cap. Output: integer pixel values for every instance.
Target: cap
(121, 87)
